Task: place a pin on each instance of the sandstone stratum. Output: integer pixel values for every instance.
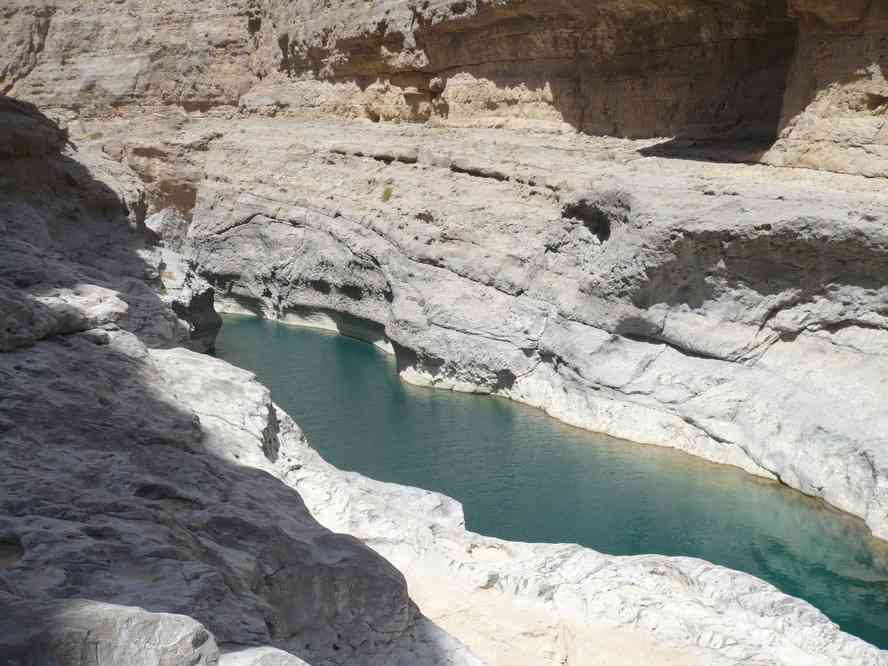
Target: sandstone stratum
(662, 220)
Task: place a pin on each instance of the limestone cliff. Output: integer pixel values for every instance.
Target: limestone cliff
(256, 155)
(790, 83)
(159, 509)
(736, 313)
(136, 529)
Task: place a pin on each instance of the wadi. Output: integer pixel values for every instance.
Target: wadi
(586, 301)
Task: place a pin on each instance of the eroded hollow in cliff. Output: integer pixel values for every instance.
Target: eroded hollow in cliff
(877, 103)
(599, 213)
(166, 496)
(682, 70)
(11, 551)
(591, 216)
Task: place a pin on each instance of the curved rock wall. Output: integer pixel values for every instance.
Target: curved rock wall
(158, 508)
(133, 473)
(619, 68)
(835, 112)
(738, 313)
(721, 311)
(801, 84)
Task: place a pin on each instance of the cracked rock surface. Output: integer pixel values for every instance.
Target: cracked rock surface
(160, 509)
(442, 179)
(137, 527)
(737, 313)
(788, 82)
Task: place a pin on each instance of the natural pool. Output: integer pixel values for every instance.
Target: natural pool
(522, 475)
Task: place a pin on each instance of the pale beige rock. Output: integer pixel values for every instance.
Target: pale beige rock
(736, 313)
(117, 496)
(261, 656)
(835, 111)
(80, 632)
(715, 309)
(797, 85)
(514, 602)
(174, 483)
(559, 604)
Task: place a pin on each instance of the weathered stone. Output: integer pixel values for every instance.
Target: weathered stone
(736, 313)
(260, 656)
(168, 227)
(553, 604)
(797, 83)
(78, 632)
(128, 482)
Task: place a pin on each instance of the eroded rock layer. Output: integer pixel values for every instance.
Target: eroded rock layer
(136, 528)
(150, 512)
(736, 313)
(239, 153)
(791, 83)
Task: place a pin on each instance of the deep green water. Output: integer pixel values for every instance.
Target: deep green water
(522, 475)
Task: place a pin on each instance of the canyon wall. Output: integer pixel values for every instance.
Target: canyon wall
(739, 314)
(796, 84)
(258, 98)
(425, 175)
(835, 110)
(159, 508)
(139, 523)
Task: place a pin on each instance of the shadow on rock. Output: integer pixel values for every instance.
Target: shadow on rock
(136, 477)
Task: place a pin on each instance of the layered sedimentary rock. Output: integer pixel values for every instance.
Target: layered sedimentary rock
(835, 110)
(242, 148)
(791, 83)
(136, 528)
(745, 308)
(160, 509)
(533, 603)
(735, 313)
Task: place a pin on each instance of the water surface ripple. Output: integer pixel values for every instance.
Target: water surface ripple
(524, 476)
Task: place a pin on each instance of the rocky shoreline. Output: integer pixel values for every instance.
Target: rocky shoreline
(729, 311)
(175, 508)
(664, 221)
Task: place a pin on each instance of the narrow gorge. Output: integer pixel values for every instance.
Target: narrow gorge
(665, 222)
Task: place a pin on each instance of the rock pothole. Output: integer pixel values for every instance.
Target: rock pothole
(876, 103)
(600, 213)
(591, 216)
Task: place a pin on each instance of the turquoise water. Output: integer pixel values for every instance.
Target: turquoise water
(523, 475)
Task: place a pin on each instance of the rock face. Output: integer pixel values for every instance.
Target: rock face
(85, 633)
(518, 603)
(158, 508)
(736, 313)
(739, 313)
(189, 296)
(172, 527)
(64, 272)
(836, 101)
(798, 82)
(124, 490)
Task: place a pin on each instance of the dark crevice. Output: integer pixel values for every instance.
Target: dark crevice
(351, 291)
(11, 551)
(158, 492)
(479, 172)
(877, 103)
(320, 285)
(592, 217)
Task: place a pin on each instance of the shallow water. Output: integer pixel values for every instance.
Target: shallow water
(524, 476)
